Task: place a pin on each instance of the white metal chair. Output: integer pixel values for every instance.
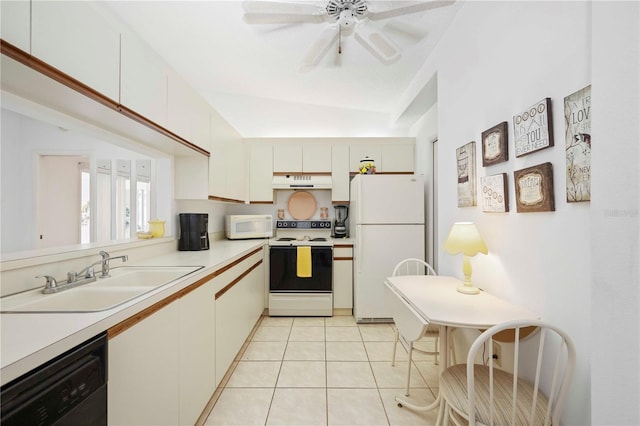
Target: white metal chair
(484, 394)
(413, 266)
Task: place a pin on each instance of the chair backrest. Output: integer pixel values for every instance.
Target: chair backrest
(413, 266)
(545, 360)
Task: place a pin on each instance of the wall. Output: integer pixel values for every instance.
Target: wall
(615, 310)
(496, 60)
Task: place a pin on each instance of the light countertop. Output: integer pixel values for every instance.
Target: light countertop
(31, 339)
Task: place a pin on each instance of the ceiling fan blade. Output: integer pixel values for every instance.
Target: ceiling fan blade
(377, 43)
(281, 18)
(408, 9)
(321, 46)
(261, 6)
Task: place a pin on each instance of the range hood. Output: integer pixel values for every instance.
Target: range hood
(302, 181)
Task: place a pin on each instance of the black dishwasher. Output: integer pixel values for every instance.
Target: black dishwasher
(71, 389)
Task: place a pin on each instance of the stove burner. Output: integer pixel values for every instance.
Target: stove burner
(285, 239)
(318, 239)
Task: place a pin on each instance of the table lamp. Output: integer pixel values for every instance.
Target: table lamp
(464, 238)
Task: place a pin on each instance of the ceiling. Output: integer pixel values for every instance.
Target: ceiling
(251, 73)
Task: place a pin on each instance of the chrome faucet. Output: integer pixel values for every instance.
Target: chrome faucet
(85, 276)
(89, 271)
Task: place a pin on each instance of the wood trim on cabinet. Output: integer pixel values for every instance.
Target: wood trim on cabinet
(127, 112)
(302, 173)
(260, 202)
(385, 173)
(145, 313)
(237, 280)
(340, 202)
(342, 245)
(226, 200)
(53, 73)
(42, 67)
(342, 258)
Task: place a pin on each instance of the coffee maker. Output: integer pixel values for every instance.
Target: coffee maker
(194, 232)
(340, 229)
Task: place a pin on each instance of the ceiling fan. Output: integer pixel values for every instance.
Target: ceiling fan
(345, 17)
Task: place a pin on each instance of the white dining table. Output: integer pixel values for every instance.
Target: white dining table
(436, 300)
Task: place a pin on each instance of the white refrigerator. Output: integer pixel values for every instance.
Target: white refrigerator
(386, 219)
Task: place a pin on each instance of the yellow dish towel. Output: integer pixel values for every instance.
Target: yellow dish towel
(304, 262)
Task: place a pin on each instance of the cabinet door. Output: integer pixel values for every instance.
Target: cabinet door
(343, 278)
(143, 80)
(74, 38)
(197, 351)
(191, 180)
(340, 173)
(287, 158)
(358, 151)
(316, 158)
(144, 372)
(187, 112)
(397, 158)
(261, 172)
(16, 23)
(237, 311)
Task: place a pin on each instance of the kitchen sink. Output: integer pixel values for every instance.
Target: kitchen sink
(125, 284)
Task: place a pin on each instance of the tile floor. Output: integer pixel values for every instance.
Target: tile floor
(323, 371)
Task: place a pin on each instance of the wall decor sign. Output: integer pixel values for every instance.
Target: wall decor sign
(532, 129)
(466, 159)
(494, 193)
(577, 117)
(495, 145)
(534, 189)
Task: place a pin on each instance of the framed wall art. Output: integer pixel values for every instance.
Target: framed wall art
(533, 129)
(534, 189)
(494, 193)
(495, 145)
(577, 117)
(466, 159)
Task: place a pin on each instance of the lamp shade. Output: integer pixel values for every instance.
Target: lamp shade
(465, 238)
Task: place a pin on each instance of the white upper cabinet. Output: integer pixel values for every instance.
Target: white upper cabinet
(16, 23)
(397, 158)
(287, 158)
(260, 172)
(301, 158)
(74, 38)
(391, 156)
(340, 173)
(188, 113)
(143, 80)
(316, 158)
(359, 151)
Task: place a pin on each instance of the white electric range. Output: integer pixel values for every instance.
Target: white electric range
(289, 293)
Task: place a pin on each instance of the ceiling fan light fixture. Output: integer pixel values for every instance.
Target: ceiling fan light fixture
(358, 8)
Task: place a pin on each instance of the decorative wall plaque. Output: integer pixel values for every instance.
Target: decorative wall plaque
(494, 193)
(495, 145)
(532, 129)
(577, 117)
(466, 159)
(534, 189)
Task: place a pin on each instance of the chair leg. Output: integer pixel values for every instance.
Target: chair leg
(441, 407)
(406, 393)
(437, 350)
(395, 346)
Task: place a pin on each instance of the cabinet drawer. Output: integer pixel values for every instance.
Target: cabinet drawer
(342, 252)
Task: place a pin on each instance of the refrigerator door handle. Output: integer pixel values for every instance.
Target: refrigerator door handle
(358, 259)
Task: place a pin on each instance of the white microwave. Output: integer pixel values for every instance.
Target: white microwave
(244, 226)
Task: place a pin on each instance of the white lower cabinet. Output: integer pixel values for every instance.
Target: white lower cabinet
(237, 311)
(166, 362)
(342, 277)
(144, 371)
(197, 351)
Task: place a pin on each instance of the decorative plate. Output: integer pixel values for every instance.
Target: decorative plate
(302, 205)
